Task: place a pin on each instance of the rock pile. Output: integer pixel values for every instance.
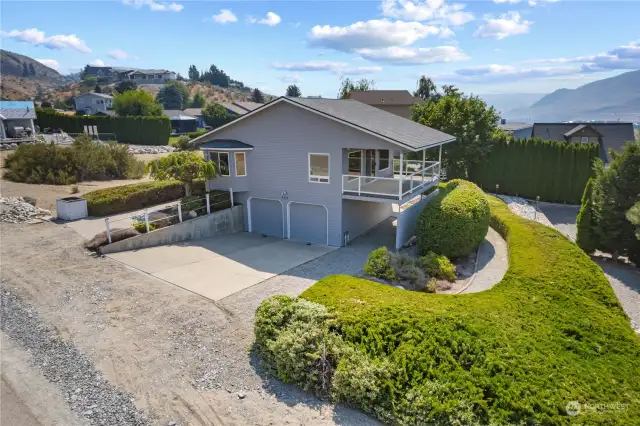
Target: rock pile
(17, 210)
(143, 149)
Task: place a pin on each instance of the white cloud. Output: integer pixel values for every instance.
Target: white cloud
(503, 26)
(51, 63)
(626, 57)
(291, 78)
(36, 37)
(414, 56)
(97, 63)
(427, 10)
(341, 68)
(271, 20)
(374, 34)
(224, 17)
(154, 6)
(507, 1)
(120, 55)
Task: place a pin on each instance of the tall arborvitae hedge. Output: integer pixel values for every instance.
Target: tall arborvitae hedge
(133, 130)
(554, 171)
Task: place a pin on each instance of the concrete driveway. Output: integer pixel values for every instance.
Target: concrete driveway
(218, 267)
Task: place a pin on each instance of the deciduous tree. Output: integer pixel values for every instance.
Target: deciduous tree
(198, 100)
(427, 90)
(136, 103)
(194, 74)
(125, 85)
(215, 115)
(183, 166)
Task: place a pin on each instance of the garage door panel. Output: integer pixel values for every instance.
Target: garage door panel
(308, 223)
(266, 217)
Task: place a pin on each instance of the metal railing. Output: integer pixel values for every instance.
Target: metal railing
(397, 187)
(208, 203)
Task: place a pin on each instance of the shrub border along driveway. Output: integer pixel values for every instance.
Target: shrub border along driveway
(551, 332)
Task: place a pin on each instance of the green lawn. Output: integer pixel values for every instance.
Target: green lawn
(552, 331)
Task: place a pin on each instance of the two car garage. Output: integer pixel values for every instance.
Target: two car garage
(297, 221)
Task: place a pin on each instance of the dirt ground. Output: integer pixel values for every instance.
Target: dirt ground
(182, 358)
(46, 195)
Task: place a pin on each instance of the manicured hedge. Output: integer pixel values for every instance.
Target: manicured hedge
(126, 198)
(551, 332)
(132, 130)
(554, 171)
(455, 222)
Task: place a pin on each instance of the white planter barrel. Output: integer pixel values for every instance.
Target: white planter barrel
(71, 208)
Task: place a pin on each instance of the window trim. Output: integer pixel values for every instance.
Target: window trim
(217, 154)
(319, 179)
(244, 161)
(582, 140)
(388, 159)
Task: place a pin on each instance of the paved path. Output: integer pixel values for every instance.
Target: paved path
(493, 262)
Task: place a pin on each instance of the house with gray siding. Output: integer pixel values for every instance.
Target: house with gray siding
(516, 129)
(93, 103)
(321, 171)
(17, 121)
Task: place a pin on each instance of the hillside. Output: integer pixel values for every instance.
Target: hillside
(20, 76)
(608, 99)
(506, 102)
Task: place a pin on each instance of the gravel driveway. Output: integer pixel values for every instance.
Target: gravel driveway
(131, 338)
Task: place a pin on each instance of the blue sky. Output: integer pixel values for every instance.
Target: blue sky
(498, 46)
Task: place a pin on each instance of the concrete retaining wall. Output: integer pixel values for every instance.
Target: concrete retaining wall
(408, 220)
(222, 222)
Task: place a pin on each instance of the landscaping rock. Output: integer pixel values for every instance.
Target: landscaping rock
(18, 210)
(143, 149)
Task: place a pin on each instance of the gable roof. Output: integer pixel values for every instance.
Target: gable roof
(384, 97)
(17, 109)
(248, 106)
(514, 126)
(192, 111)
(226, 144)
(172, 112)
(98, 95)
(580, 127)
(614, 135)
(366, 118)
(234, 108)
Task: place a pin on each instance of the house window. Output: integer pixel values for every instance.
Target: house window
(584, 139)
(355, 163)
(319, 168)
(221, 160)
(384, 159)
(241, 164)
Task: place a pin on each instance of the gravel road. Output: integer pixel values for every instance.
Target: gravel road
(164, 354)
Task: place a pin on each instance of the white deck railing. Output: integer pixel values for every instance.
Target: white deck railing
(422, 174)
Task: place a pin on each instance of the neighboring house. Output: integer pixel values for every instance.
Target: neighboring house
(92, 103)
(181, 123)
(607, 135)
(16, 120)
(248, 106)
(398, 102)
(233, 109)
(516, 129)
(141, 76)
(197, 113)
(320, 171)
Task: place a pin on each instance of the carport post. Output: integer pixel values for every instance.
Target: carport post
(180, 212)
(146, 219)
(231, 195)
(424, 162)
(106, 224)
(208, 205)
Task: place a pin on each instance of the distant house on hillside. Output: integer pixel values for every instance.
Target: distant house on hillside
(16, 120)
(181, 122)
(398, 102)
(94, 103)
(140, 76)
(516, 129)
(607, 135)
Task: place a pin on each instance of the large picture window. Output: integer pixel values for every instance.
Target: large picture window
(221, 160)
(241, 164)
(384, 159)
(319, 168)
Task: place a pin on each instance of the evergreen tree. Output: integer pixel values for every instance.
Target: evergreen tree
(633, 216)
(257, 96)
(293, 91)
(194, 75)
(170, 97)
(125, 85)
(198, 100)
(97, 89)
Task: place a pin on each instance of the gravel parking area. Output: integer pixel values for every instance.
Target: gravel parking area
(562, 217)
(181, 358)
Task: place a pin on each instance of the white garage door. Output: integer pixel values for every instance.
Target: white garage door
(308, 223)
(266, 217)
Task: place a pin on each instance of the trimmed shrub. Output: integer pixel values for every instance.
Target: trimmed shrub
(182, 143)
(84, 160)
(552, 331)
(455, 222)
(379, 265)
(133, 130)
(585, 237)
(438, 266)
(126, 198)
